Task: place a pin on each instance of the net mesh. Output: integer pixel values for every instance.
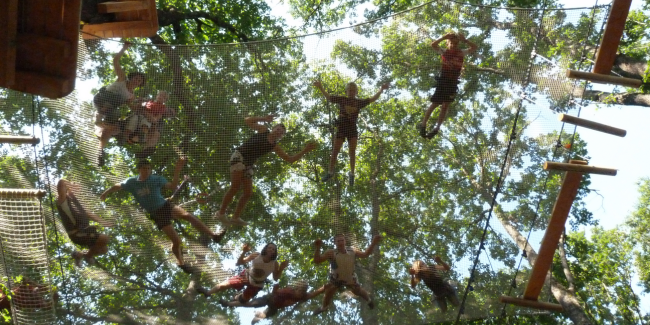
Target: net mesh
(426, 197)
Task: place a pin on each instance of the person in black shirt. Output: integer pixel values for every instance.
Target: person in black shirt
(433, 278)
(76, 219)
(242, 163)
(346, 124)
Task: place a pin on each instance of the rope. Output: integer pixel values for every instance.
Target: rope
(497, 190)
(555, 151)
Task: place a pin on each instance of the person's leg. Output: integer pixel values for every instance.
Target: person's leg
(427, 114)
(100, 247)
(236, 177)
(327, 299)
(441, 117)
(352, 143)
(442, 303)
(336, 148)
(453, 299)
(180, 213)
(247, 184)
(176, 243)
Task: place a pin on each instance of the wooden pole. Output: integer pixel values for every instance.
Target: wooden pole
(579, 168)
(612, 36)
(20, 193)
(19, 139)
(604, 78)
(555, 228)
(531, 303)
(592, 125)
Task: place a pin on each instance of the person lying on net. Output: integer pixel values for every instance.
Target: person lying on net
(242, 163)
(146, 189)
(251, 280)
(108, 100)
(433, 278)
(276, 300)
(341, 273)
(448, 79)
(145, 124)
(346, 123)
(76, 221)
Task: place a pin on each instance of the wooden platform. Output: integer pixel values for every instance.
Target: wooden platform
(38, 47)
(133, 19)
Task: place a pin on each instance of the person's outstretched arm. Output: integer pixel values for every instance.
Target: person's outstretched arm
(441, 264)
(62, 190)
(291, 159)
(314, 293)
(472, 47)
(177, 174)
(381, 90)
(322, 90)
(119, 72)
(375, 242)
(414, 279)
(318, 258)
(109, 191)
(243, 260)
(254, 122)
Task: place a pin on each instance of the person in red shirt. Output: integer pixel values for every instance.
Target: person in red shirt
(277, 299)
(448, 79)
(346, 124)
(434, 280)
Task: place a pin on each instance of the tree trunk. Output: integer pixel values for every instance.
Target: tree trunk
(629, 68)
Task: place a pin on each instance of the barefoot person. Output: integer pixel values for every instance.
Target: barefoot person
(342, 260)
(146, 188)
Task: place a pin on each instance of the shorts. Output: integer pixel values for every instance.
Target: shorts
(354, 283)
(237, 164)
(346, 129)
(446, 90)
(240, 281)
(86, 237)
(163, 216)
(106, 101)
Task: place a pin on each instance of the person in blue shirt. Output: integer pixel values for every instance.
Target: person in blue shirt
(146, 188)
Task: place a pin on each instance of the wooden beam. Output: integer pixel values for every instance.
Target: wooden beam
(113, 6)
(612, 36)
(531, 303)
(592, 125)
(20, 193)
(555, 228)
(604, 78)
(43, 84)
(19, 139)
(579, 169)
(8, 31)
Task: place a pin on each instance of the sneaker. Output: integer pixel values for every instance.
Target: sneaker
(77, 257)
(238, 222)
(219, 236)
(351, 178)
(432, 134)
(186, 268)
(421, 129)
(101, 159)
(318, 311)
(203, 291)
(327, 177)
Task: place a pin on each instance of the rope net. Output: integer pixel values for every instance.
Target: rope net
(427, 197)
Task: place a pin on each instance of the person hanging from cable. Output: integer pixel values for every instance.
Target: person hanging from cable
(341, 273)
(346, 123)
(448, 79)
(242, 163)
(146, 189)
(251, 280)
(278, 299)
(145, 124)
(108, 100)
(433, 278)
(76, 219)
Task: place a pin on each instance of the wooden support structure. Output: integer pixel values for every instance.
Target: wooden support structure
(612, 36)
(592, 125)
(137, 18)
(604, 78)
(19, 139)
(39, 40)
(531, 303)
(20, 193)
(572, 167)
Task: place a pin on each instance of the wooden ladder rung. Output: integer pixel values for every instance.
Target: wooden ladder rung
(604, 78)
(579, 168)
(592, 125)
(121, 6)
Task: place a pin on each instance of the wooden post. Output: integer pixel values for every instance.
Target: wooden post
(604, 78)
(592, 125)
(19, 139)
(561, 210)
(8, 31)
(531, 303)
(579, 168)
(612, 36)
